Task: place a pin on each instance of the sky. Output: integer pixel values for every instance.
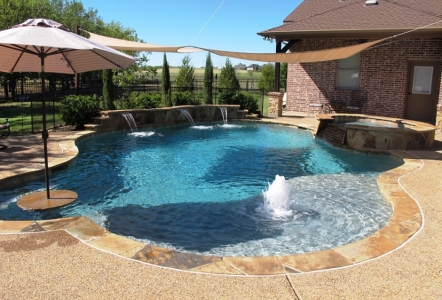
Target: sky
(230, 25)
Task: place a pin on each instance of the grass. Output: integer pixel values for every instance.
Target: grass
(24, 118)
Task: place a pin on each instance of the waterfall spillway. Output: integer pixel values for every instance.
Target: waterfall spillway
(224, 114)
(131, 121)
(188, 116)
(277, 199)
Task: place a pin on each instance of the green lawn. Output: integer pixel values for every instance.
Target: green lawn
(25, 119)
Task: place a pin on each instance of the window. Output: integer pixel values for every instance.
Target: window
(422, 80)
(348, 72)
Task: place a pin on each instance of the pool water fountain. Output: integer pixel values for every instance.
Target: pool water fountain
(188, 116)
(276, 199)
(131, 121)
(224, 114)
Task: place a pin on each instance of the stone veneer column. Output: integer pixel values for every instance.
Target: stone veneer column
(439, 117)
(275, 104)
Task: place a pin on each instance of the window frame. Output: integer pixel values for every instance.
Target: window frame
(340, 69)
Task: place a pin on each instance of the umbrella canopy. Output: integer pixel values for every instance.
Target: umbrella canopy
(22, 46)
(40, 45)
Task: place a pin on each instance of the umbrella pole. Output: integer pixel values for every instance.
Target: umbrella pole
(45, 133)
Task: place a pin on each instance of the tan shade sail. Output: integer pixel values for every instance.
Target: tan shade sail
(302, 57)
(137, 46)
(308, 56)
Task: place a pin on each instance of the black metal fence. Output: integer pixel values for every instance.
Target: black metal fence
(23, 104)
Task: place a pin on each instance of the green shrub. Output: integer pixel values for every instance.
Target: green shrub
(145, 100)
(79, 110)
(185, 98)
(247, 101)
(244, 100)
(226, 96)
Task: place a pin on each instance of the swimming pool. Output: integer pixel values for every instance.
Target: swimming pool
(199, 189)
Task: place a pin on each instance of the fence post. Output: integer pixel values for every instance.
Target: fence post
(32, 116)
(53, 109)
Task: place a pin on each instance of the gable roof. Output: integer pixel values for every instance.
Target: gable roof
(353, 19)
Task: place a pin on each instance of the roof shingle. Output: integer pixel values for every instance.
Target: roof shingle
(334, 15)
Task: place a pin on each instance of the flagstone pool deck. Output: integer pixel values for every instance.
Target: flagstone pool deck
(74, 258)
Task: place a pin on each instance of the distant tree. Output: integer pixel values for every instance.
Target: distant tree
(267, 80)
(165, 83)
(185, 78)
(108, 90)
(67, 12)
(152, 71)
(283, 75)
(227, 77)
(208, 80)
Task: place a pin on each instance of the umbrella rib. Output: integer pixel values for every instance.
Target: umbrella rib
(37, 52)
(107, 59)
(58, 51)
(20, 48)
(67, 60)
(16, 62)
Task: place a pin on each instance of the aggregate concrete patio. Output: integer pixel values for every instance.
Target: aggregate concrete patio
(72, 258)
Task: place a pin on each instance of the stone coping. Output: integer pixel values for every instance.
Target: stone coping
(409, 124)
(406, 221)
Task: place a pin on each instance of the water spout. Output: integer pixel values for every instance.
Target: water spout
(131, 121)
(276, 202)
(188, 116)
(224, 113)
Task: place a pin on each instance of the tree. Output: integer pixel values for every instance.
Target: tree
(70, 13)
(185, 78)
(152, 71)
(227, 77)
(267, 80)
(67, 12)
(208, 80)
(283, 75)
(165, 83)
(108, 90)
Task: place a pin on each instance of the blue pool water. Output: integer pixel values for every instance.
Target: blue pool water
(199, 189)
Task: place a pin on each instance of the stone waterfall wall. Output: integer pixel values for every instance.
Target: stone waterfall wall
(114, 120)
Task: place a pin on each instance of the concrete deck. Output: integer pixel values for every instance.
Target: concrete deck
(74, 258)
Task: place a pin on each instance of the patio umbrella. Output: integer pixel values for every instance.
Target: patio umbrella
(41, 45)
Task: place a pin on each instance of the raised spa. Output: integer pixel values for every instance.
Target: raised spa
(368, 133)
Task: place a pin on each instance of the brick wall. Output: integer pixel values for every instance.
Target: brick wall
(333, 134)
(382, 78)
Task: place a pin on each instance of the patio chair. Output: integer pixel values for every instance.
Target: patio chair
(355, 104)
(336, 106)
(316, 107)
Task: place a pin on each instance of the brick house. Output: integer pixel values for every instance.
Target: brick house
(399, 77)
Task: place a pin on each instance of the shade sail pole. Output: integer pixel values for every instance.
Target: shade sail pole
(45, 133)
(276, 83)
(77, 76)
